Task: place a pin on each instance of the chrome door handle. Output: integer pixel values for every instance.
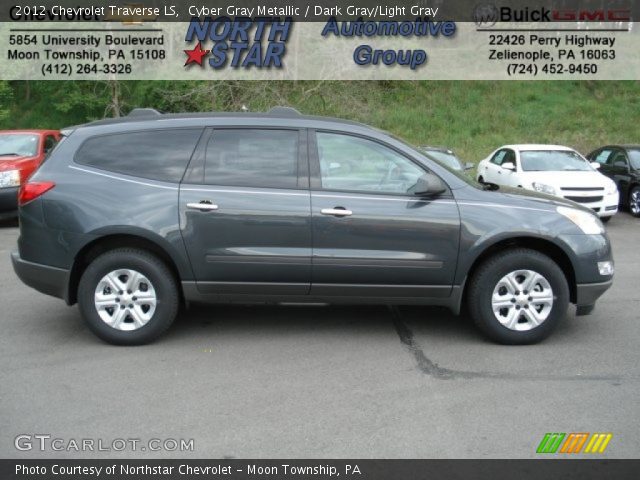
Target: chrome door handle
(337, 212)
(203, 206)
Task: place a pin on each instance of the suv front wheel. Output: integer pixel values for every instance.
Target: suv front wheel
(128, 297)
(518, 297)
(634, 201)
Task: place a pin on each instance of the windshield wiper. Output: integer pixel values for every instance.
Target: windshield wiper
(10, 154)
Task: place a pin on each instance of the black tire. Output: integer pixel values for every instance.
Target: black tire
(487, 277)
(634, 191)
(162, 280)
(480, 179)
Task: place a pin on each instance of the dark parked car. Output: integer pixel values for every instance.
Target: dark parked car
(131, 217)
(621, 163)
(447, 157)
(21, 152)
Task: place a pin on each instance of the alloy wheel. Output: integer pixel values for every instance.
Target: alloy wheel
(634, 202)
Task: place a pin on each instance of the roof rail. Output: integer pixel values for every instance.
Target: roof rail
(284, 112)
(143, 112)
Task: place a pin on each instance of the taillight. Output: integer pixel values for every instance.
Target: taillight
(32, 190)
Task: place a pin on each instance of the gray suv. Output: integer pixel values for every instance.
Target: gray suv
(133, 217)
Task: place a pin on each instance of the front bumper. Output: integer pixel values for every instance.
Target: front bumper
(8, 202)
(587, 294)
(606, 207)
(45, 279)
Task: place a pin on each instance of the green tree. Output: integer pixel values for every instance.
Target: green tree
(6, 96)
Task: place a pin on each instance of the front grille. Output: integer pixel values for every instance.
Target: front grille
(584, 199)
(582, 189)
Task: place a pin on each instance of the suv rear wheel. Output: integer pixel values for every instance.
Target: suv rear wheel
(518, 297)
(128, 297)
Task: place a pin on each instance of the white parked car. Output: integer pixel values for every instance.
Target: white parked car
(552, 169)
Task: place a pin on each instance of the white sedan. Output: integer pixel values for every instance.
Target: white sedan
(551, 169)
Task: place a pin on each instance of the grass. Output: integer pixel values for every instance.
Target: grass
(471, 117)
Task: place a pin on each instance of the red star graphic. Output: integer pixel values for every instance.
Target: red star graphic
(195, 55)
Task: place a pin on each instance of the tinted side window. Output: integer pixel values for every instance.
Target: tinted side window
(49, 143)
(361, 165)
(154, 154)
(252, 158)
(618, 159)
(510, 156)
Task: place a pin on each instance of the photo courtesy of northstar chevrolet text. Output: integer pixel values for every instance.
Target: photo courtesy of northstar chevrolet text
(319, 239)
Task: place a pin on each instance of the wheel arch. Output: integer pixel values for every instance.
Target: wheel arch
(542, 245)
(627, 200)
(112, 241)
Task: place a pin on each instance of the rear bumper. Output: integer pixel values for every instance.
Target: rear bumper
(45, 279)
(588, 293)
(8, 202)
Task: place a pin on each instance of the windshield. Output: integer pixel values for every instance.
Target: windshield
(634, 158)
(553, 161)
(18, 144)
(448, 159)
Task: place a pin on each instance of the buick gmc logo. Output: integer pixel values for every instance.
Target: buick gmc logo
(486, 15)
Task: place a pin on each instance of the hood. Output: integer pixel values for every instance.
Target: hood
(13, 162)
(538, 199)
(590, 178)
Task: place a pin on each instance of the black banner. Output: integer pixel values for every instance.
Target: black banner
(478, 11)
(582, 469)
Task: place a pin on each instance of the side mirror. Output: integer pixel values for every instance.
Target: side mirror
(509, 166)
(468, 166)
(595, 165)
(428, 185)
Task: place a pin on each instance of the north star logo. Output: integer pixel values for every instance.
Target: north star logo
(239, 43)
(196, 55)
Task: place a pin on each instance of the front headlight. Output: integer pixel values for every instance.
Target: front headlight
(587, 222)
(543, 188)
(10, 178)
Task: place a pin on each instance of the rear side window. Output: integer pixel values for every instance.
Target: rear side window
(252, 158)
(49, 142)
(153, 154)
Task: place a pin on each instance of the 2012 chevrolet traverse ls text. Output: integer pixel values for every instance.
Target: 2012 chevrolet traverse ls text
(133, 217)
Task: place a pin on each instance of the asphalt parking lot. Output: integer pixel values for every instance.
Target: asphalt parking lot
(322, 382)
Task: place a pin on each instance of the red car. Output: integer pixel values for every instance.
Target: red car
(21, 153)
